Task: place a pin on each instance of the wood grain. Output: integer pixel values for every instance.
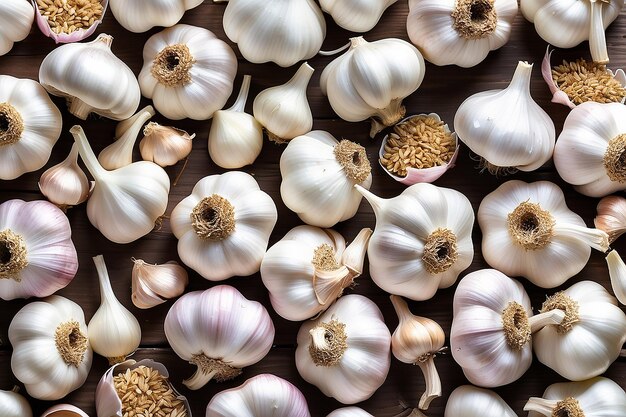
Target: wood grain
(443, 89)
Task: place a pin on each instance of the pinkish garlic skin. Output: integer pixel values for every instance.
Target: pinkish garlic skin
(75, 36)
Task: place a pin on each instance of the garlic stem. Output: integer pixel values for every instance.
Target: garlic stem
(433, 382)
(354, 255)
(86, 153)
(521, 77)
(595, 238)
(401, 308)
(106, 292)
(597, 36)
(302, 77)
(335, 51)
(541, 406)
(242, 97)
(539, 321)
(198, 379)
(79, 108)
(376, 202)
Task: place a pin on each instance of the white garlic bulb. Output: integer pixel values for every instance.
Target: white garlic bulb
(187, 72)
(113, 330)
(125, 203)
(13, 404)
(30, 125)
(142, 15)
(507, 128)
(356, 15)
(460, 32)
(349, 412)
(589, 151)
(309, 268)
(235, 138)
(224, 226)
(611, 216)
(591, 335)
(165, 145)
(617, 274)
(219, 331)
(529, 231)
(371, 79)
(65, 184)
(318, 178)
(92, 79)
(281, 31)
(346, 352)
(422, 240)
(154, 284)
(51, 350)
(492, 327)
(16, 19)
(469, 401)
(264, 395)
(596, 397)
(284, 110)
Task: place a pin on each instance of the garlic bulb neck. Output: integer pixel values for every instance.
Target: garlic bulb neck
(86, 153)
(521, 78)
(474, 19)
(353, 158)
(328, 343)
(208, 369)
(569, 407)
(172, 65)
(597, 36)
(11, 124)
(71, 343)
(516, 326)
(615, 159)
(242, 97)
(13, 254)
(376, 202)
(530, 226)
(565, 303)
(440, 251)
(104, 41)
(213, 218)
(431, 377)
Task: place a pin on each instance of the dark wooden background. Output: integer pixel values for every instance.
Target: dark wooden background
(443, 90)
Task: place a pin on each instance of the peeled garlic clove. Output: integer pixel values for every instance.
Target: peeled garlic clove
(154, 284)
(611, 216)
(16, 19)
(469, 401)
(165, 145)
(77, 34)
(617, 273)
(13, 404)
(65, 184)
(64, 410)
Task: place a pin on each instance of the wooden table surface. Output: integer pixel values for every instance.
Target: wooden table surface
(443, 90)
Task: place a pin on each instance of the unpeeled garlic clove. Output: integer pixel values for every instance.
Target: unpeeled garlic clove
(64, 410)
(65, 184)
(611, 217)
(165, 145)
(154, 284)
(617, 273)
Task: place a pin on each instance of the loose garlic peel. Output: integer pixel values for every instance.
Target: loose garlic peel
(155, 284)
(165, 145)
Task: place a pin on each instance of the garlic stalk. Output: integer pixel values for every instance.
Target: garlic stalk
(16, 19)
(125, 203)
(65, 184)
(165, 145)
(113, 330)
(64, 410)
(617, 274)
(611, 216)
(469, 401)
(416, 341)
(142, 15)
(154, 284)
(13, 404)
(120, 153)
(356, 15)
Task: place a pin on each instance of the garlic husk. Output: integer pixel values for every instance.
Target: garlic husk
(507, 128)
(264, 395)
(528, 230)
(120, 153)
(76, 36)
(470, 401)
(611, 216)
(65, 184)
(165, 145)
(92, 79)
(356, 15)
(17, 18)
(13, 404)
(416, 341)
(219, 331)
(617, 274)
(349, 412)
(142, 15)
(235, 138)
(155, 284)
(284, 110)
(64, 410)
(113, 330)
(125, 203)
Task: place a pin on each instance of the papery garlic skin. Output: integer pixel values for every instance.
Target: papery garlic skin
(589, 150)
(142, 15)
(318, 178)
(459, 32)
(264, 395)
(219, 331)
(65, 184)
(16, 18)
(345, 352)
(371, 79)
(422, 240)
(224, 226)
(154, 284)
(51, 352)
(13, 404)
(31, 125)
(470, 401)
(92, 79)
(201, 80)
(349, 412)
(529, 231)
(611, 216)
(165, 145)
(617, 274)
(356, 15)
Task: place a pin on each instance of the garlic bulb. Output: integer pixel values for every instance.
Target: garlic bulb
(120, 153)
(589, 151)
(596, 397)
(92, 79)
(37, 255)
(371, 79)
(349, 412)
(165, 145)
(281, 31)
(16, 17)
(309, 268)
(224, 226)
(142, 15)
(469, 401)
(65, 184)
(507, 128)
(264, 395)
(566, 23)
(64, 410)
(51, 351)
(356, 15)
(187, 72)
(219, 331)
(235, 138)
(617, 274)
(416, 341)
(154, 284)
(529, 231)
(422, 240)
(318, 178)
(591, 335)
(30, 125)
(283, 110)
(611, 216)
(346, 351)
(460, 32)
(13, 404)
(492, 327)
(113, 330)
(125, 203)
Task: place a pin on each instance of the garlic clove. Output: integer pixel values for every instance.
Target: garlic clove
(154, 284)
(611, 217)
(76, 35)
(65, 184)
(617, 273)
(165, 145)
(64, 410)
